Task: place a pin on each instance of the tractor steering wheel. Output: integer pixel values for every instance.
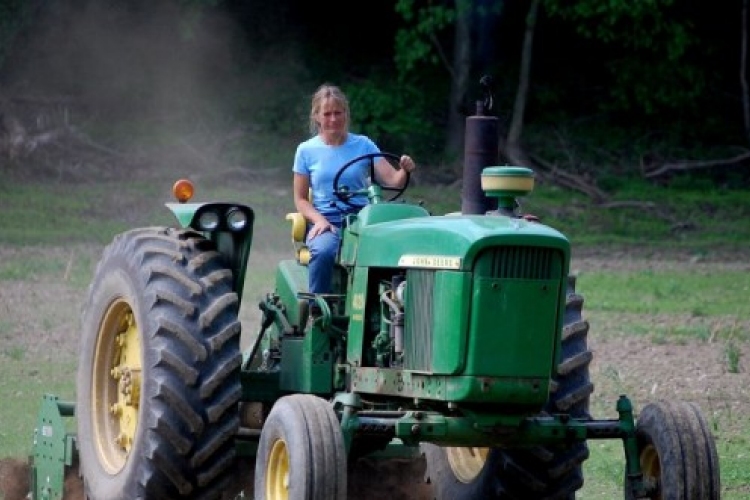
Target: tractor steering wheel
(345, 195)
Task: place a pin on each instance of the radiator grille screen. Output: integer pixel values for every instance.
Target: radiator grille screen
(419, 320)
(529, 263)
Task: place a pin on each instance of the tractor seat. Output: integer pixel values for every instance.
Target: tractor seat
(299, 231)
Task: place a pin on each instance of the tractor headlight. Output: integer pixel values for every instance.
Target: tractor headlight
(236, 219)
(223, 217)
(208, 221)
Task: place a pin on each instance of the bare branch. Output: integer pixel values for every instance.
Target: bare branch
(562, 178)
(660, 170)
(443, 57)
(89, 142)
(743, 71)
(519, 106)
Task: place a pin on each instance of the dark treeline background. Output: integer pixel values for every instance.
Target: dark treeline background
(584, 90)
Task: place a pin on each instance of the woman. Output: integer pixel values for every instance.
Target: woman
(316, 163)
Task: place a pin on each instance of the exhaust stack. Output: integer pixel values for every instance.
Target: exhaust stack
(480, 151)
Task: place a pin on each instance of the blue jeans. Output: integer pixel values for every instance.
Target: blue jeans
(323, 250)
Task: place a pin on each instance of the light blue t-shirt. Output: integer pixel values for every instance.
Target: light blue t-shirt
(321, 163)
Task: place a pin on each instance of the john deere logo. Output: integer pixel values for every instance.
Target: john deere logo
(430, 261)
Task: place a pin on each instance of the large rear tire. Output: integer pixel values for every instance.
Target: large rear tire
(551, 472)
(677, 453)
(301, 455)
(158, 378)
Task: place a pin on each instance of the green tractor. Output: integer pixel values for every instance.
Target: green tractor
(454, 339)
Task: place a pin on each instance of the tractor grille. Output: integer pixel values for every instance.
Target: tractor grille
(513, 262)
(528, 263)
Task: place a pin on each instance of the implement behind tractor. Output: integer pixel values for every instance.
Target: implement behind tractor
(457, 339)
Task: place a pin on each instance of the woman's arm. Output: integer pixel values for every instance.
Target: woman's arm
(390, 176)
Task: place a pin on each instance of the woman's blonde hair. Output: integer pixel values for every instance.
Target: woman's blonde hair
(327, 91)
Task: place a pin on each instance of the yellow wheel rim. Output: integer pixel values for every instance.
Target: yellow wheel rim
(650, 465)
(277, 474)
(467, 463)
(116, 386)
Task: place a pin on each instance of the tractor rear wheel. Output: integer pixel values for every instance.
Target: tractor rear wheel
(541, 472)
(158, 378)
(301, 455)
(677, 453)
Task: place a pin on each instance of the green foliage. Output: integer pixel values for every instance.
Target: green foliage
(606, 21)
(393, 116)
(668, 86)
(415, 43)
(15, 15)
(732, 354)
(652, 43)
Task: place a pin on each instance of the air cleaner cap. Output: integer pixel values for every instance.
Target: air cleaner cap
(507, 181)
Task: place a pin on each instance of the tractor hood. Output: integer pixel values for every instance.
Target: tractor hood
(444, 242)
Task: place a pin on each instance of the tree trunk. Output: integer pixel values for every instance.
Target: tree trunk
(460, 84)
(513, 149)
(743, 72)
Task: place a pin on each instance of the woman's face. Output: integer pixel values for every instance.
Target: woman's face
(331, 118)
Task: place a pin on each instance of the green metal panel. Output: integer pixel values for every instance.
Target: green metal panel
(513, 328)
(453, 299)
(356, 309)
(291, 278)
(307, 363)
(53, 449)
(519, 394)
(386, 212)
(462, 237)
(184, 212)
(349, 246)
(369, 215)
(485, 430)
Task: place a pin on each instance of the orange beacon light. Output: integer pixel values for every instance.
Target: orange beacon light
(183, 190)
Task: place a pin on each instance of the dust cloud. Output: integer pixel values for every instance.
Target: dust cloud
(123, 58)
(166, 83)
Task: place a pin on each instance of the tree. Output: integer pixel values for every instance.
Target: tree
(743, 72)
(648, 37)
(426, 40)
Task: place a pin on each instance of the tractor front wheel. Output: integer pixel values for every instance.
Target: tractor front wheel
(301, 455)
(158, 378)
(677, 453)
